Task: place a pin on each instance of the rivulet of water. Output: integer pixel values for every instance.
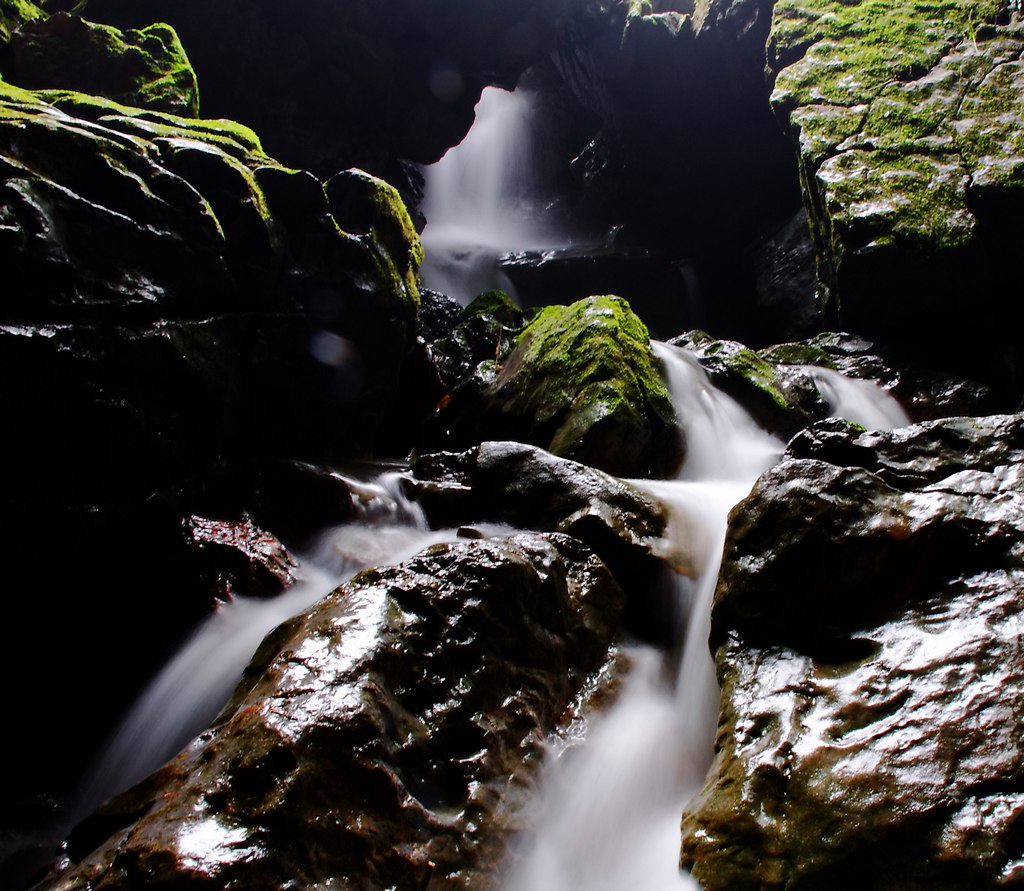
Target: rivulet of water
(186, 695)
(609, 810)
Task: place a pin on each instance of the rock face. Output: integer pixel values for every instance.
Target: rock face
(866, 626)
(911, 157)
(580, 382)
(172, 296)
(146, 68)
(336, 85)
(381, 740)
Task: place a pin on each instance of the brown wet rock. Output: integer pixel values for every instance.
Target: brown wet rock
(387, 735)
(867, 633)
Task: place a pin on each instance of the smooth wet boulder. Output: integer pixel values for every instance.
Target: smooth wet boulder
(582, 383)
(528, 488)
(146, 68)
(386, 738)
(906, 116)
(866, 629)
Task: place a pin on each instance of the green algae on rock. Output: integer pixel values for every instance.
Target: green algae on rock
(582, 382)
(14, 13)
(365, 204)
(907, 119)
(147, 68)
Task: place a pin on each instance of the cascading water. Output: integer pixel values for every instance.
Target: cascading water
(485, 198)
(191, 689)
(609, 813)
(858, 401)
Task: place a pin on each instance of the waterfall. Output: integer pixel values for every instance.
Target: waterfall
(186, 695)
(609, 811)
(858, 401)
(485, 198)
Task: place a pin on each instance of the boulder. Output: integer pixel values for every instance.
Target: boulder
(582, 383)
(911, 158)
(527, 488)
(147, 68)
(865, 628)
(385, 738)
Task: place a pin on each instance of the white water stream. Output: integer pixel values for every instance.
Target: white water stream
(608, 818)
(190, 690)
(485, 198)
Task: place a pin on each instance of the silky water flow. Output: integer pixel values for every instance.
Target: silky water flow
(611, 801)
(187, 694)
(608, 814)
(484, 199)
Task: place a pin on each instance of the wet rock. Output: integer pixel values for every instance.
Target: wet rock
(240, 558)
(781, 398)
(582, 383)
(866, 629)
(927, 386)
(921, 454)
(483, 330)
(13, 14)
(146, 68)
(528, 488)
(912, 156)
(386, 737)
(172, 298)
(786, 283)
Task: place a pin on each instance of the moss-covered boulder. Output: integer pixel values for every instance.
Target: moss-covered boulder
(581, 382)
(866, 628)
(907, 121)
(146, 68)
(13, 14)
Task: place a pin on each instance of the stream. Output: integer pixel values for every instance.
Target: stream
(608, 814)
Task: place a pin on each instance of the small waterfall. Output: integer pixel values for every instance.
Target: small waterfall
(190, 690)
(858, 401)
(485, 198)
(608, 816)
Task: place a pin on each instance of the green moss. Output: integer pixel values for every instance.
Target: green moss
(145, 69)
(495, 304)
(364, 204)
(754, 369)
(14, 13)
(230, 136)
(897, 107)
(797, 354)
(585, 373)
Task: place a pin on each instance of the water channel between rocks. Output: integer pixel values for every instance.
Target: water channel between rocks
(610, 803)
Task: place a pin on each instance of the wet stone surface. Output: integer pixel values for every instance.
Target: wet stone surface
(385, 738)
(868, 640)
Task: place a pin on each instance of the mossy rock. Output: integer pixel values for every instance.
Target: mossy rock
(781, 399)
(363, 204)
(146, 68)
(583, 383)
(14, 13)
(907, 117)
